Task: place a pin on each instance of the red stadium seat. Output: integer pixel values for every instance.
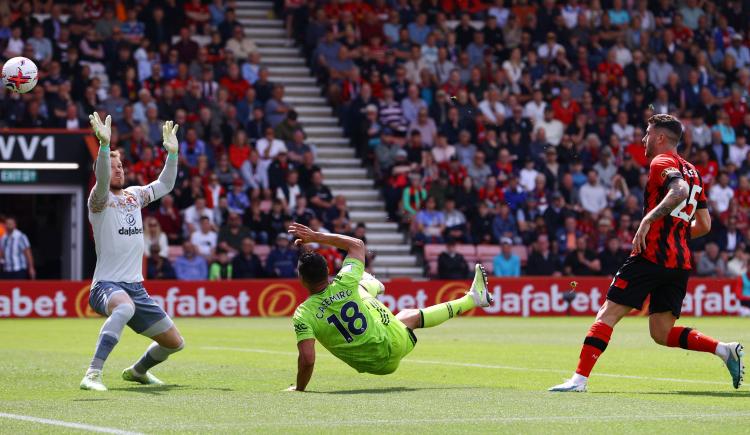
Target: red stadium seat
(469, 252)
(522, 252)
(433, 268)
(486, 253)
(431, 252)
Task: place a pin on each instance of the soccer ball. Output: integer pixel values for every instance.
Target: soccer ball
(19, 75)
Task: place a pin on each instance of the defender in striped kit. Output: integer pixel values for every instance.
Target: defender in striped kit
(675, 210)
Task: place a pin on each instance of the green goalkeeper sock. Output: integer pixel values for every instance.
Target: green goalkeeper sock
(437, 314)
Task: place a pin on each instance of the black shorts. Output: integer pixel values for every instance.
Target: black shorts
(638, 278)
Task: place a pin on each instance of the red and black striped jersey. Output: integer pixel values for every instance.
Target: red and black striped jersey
(667, 239)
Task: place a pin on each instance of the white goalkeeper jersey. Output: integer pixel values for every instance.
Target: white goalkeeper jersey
(118, 234)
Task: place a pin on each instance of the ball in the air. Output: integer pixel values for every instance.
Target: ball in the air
(19, 74)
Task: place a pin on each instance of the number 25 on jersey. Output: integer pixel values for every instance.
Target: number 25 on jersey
(679, 211)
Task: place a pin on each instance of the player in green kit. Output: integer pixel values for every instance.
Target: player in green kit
(348, 320)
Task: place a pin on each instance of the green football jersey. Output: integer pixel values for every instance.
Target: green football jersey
(345, 323)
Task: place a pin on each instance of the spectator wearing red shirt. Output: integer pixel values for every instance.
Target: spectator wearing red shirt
(137, 143)
(358, 9)
(147, 169)
(636, 150)
(564, 107)
(454, 84)
(456, 172)
(707, 168)
(503, 167)
(333, 258)
(371, 27)
(333, 9)
(197, 14)
(239, 150)
(742, 194)
(169, 220)
(180, 82)
(156, 82)
(736, 109)
(462, 6)
(234, 83)
(213, 191)
(682, 33)
(523, 9)
(611, 68)
(491, 191)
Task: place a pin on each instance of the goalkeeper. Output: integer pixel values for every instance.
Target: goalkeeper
(349, 321)
(117, 291)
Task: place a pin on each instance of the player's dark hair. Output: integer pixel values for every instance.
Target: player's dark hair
(667, 122)
(312, 267)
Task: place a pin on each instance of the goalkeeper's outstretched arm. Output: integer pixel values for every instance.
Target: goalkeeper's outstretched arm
(102, 169)
(165, 183)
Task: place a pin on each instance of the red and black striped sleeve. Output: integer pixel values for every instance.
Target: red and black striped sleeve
(663, 170)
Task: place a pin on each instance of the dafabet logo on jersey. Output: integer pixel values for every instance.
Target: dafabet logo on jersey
(130, 231)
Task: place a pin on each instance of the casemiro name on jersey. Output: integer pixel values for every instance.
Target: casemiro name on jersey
(330, 300)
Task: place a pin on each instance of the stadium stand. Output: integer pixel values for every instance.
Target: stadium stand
(528, 115)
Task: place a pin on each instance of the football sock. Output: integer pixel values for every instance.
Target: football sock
(690, 339)
(110, 333)
(593, 345)
(437, 314)
(154, 355)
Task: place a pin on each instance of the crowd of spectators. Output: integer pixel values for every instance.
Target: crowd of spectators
(483, 121)
(246, 167)
(521, 121)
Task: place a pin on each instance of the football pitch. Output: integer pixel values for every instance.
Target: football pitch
(467, 375)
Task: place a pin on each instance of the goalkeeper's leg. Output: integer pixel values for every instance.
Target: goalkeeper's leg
(164, 344)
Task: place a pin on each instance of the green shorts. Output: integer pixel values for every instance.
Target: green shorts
(401, 341)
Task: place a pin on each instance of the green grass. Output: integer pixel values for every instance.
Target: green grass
(231, 376)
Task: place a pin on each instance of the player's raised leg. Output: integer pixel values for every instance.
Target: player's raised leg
(477, 296)
(664, 332)
(594, 345)
(107, 299)
(165, 344)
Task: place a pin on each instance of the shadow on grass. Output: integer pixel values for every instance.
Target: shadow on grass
(159, 389)
(741, 393)
(389, 390)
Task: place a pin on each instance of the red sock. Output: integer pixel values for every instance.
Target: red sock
(690, 339)
(593, 345)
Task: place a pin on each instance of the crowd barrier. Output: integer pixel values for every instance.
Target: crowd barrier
(519, 297)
